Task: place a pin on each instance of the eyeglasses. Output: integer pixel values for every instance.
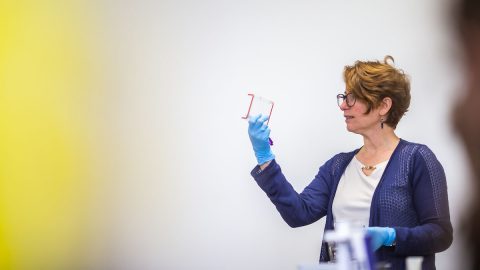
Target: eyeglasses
(349, 98)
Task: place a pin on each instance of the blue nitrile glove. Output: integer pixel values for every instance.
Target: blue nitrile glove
(259, 133)
(381, 236)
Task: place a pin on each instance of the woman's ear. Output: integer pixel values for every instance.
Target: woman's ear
(385, 106)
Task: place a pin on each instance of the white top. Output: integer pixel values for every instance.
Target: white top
(354, 193)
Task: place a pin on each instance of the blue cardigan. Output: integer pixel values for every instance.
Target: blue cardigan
(411, 197)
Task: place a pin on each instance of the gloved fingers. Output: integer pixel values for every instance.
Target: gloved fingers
(253, 119)
(374, 229)
(383, 231)
(260, 135)
(263, 127)
(264, 132)
(267, 133)
(381, 236)
(262, 124)
(257, 121)
(263, 119)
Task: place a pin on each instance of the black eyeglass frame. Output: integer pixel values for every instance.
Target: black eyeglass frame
(346, 98)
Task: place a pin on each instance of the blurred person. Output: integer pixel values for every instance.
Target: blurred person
(394, 188)
(466, 113)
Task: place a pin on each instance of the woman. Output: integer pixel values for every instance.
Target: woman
(394, 187)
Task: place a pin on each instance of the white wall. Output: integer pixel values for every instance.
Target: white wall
(180, 194)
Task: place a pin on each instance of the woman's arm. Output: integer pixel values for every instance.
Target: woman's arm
(430, 199)
(296, 209)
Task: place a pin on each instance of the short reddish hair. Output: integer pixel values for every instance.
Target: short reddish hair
(372, 81)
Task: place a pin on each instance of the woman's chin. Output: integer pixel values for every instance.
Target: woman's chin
(352, 129)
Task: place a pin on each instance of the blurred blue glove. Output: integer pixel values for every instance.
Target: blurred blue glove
(381, 236)
(259, 133)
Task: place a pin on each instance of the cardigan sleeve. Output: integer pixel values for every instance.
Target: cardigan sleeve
(296, 209)
(430, 199)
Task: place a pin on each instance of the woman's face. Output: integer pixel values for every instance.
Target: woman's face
(357, 121)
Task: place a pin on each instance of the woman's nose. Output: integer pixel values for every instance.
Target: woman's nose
(343, 105)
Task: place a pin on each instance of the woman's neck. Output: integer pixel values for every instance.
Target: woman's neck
(380, 142)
